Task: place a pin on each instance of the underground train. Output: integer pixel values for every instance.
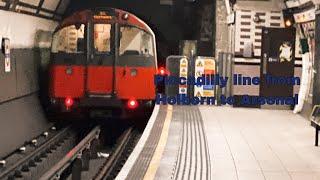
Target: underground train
(102, 62)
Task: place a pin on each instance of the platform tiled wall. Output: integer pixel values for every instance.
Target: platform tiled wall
(254, 71)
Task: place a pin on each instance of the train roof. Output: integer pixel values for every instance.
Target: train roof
(104, 15)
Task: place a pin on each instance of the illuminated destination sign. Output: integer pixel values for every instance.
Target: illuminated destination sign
(103, 16)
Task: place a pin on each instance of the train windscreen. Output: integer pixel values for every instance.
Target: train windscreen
(102, 36)
(135, 41)
(69, 39)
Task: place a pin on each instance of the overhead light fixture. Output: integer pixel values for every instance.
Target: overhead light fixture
(288, 23)
(288, 18)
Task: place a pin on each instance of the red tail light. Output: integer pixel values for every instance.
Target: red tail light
(132, 104)
(162, 71)
(68, 102)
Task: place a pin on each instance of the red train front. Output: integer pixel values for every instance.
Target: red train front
(102, 60)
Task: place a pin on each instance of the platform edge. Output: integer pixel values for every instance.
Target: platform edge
(137, 150)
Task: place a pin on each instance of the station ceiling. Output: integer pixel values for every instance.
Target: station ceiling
(168, 18)
(56, 9)
(148, 10)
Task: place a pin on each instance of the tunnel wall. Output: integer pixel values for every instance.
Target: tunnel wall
(29, 38)
(21, 120)
(21, 114)
(22, 79)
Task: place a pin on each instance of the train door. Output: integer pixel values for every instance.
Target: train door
(136, 64)
(277, 60)
(100, 69)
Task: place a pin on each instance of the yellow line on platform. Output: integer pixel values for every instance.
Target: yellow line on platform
(155, 161)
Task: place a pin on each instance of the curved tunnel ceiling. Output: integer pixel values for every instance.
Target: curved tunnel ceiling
(172, 20)
(158, 17)
(49, 9)
(56, 9)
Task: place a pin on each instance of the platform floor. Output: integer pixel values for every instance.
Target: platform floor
(225, 143)
(254, 144)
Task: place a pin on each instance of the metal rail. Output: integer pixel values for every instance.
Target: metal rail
(57, 170)
(111, 162)
(37, 151)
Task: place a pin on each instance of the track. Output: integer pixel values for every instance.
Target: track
(84, 161)
(70, 152)
(121, 152)
(76, 158)
(37, 155)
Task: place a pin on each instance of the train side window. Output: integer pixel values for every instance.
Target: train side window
(102, 36)
(135, 41)
(69, 39)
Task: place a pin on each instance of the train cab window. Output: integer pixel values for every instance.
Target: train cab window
(135, 41)
(102, 36)
(69, 39)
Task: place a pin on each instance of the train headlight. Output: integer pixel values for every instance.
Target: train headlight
(69, 70)
(133, 72)
(125, 16)
(53, 100)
